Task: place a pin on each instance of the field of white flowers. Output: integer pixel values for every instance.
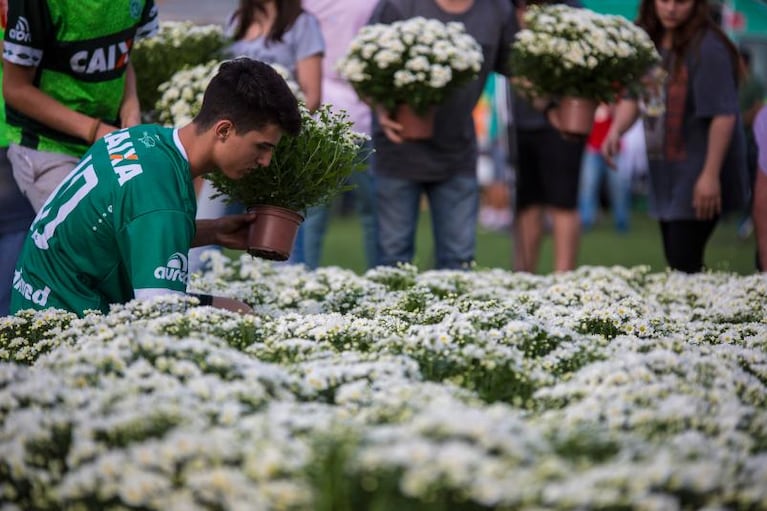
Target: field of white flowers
(604, 388)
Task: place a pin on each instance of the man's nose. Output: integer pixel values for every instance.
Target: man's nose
(264, 159)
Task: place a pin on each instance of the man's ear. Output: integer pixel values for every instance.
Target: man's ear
(224, 129)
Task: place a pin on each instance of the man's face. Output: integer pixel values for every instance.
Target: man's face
(239, 153)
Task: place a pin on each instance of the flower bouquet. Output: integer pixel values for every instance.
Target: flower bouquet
(177, 45)
(567, 52)
(306, 170)
(412, 64)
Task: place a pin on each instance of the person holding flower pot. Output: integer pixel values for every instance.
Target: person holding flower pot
(281, 33)
(696, 143)
(443, 166)
(122, 222)
(548, 172)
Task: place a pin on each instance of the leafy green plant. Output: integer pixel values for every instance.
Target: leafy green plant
(306, 170)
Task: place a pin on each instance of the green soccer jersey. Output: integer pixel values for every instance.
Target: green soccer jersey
(119, 226)
(79, 49)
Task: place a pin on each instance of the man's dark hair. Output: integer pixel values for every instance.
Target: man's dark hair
(251, 94)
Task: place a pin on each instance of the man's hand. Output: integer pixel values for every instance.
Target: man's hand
(611, 147)
(391, 128)
(231, 304)
(228, 231)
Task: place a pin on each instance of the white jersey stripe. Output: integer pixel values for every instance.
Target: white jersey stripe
(22, 55)
(153, 292)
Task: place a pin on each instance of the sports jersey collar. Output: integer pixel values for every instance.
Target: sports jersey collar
(179, 146)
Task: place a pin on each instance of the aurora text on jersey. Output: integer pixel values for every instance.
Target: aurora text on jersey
(119, 226)
(80, 49)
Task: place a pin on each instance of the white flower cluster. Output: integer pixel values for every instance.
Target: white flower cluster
(177, 45)
(410, 55)
(178, 34)
(182, 95)
(565, 42)
(599, 388)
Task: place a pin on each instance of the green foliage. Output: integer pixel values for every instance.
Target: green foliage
(306, 170)
(176, 46)
(28, 335)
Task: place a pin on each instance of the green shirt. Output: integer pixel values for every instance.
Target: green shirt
(119, 226)
(79, 49)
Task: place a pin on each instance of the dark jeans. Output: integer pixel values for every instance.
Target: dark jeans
(453, 202)
(684, 243)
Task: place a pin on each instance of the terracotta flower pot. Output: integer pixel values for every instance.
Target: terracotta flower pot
(415, 126)
(576, 115)
(273, 232)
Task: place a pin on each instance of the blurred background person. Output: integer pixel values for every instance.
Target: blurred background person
(547, 176)
(491, 120)
(595, 172)
(443, 167)
(340, 20)
(16, 213)
(760, 189)
(696, 149)
(276, 32)
(751, 98)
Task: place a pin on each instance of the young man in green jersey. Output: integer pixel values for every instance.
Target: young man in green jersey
(120, 225)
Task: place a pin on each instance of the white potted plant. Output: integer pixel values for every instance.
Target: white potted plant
(580, 58)
(410, 66)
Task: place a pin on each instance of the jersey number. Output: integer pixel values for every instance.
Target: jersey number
(72, 190)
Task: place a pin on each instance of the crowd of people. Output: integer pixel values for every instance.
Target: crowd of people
(96, 208)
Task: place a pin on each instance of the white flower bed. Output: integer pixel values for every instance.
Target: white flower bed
(600, 388)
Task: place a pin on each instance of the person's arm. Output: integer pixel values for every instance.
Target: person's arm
(130, 110)
(626, 114)
(707, 194)
(750, 113)
(20, 93)
(759, 214)
(228, 231)
(309, 77)
(221, 302)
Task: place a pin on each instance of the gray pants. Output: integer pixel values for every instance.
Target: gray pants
(39, 173)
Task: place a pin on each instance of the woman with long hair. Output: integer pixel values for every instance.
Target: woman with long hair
(281, 32)
(695, 141)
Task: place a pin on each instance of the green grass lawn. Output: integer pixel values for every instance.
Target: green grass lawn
(601, 246)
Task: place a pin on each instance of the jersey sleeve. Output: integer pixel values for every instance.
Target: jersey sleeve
(149, 24)
(154, 247)
(28, 25)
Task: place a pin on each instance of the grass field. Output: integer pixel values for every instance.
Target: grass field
(600, 246)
